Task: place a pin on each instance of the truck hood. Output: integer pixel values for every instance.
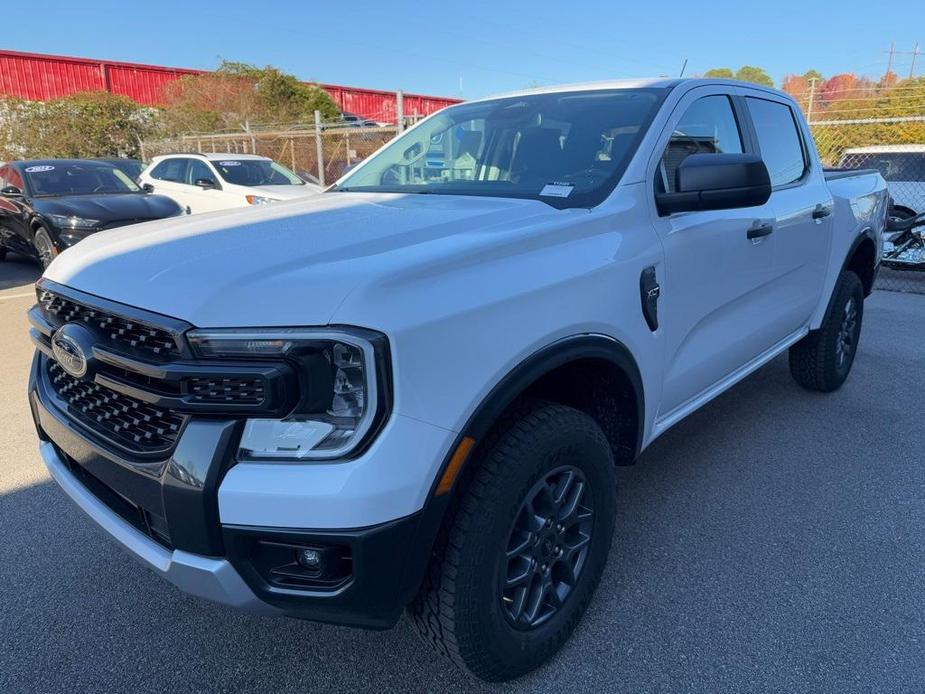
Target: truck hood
(290, 263)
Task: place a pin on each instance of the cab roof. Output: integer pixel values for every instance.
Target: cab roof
(636, 83)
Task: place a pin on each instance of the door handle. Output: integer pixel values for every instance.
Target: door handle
(821, 212)
(759, 231)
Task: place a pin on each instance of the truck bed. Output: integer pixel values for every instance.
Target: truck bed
(834, 173)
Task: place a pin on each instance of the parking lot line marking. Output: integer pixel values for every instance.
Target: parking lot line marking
(16, 296)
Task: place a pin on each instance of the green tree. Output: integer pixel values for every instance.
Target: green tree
(811, 75)
(85, 124)
(756, 75)
(720, 72)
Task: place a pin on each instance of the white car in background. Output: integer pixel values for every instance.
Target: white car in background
(218, 181)
(903, 167)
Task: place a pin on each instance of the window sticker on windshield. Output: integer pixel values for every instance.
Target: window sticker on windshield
(557, 190)
(230, 163)
(39, 169)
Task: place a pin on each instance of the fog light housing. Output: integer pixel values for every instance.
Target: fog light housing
(310, 559)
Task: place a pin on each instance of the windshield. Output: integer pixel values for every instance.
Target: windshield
(893, 166)
(568, 149)
(256, 172)
(77, 178)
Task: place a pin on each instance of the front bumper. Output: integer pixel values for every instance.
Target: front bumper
(167, 516)
(211, 578)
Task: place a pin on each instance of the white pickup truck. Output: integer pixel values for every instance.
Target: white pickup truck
(411, 390)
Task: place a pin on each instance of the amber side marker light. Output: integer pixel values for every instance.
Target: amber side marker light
(456, 463)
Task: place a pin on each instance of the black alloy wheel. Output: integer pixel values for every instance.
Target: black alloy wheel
(547, 547)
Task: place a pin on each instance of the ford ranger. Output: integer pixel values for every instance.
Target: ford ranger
(411, 391)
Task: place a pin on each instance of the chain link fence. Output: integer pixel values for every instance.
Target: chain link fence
(896, 148)
(320, 155)
(865, 125)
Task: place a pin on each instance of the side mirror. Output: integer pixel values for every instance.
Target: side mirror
(11, 192)
(148, 188)
(717, 182)
(206, 183)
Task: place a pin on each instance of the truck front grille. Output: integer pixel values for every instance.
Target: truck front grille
(132, 334)
(242, 391)
(135, 425)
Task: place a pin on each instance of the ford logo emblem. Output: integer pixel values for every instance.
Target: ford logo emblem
(72, 346)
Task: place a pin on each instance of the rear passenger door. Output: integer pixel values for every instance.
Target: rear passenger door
(802, 207)
(715, 296)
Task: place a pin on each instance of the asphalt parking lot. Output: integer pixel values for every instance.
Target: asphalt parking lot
(774, 541)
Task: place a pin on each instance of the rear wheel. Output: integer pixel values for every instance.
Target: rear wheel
(44, 247)
(822, 360)
(526, 548)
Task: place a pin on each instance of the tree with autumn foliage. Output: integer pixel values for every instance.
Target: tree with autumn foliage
(237, 96)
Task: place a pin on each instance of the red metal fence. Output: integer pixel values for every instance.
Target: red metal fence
(37, 77)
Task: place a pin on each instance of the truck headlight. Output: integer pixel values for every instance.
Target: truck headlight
(344, 391)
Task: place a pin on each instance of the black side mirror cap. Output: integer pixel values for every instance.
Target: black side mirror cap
(206, 183)
(148, 188)
(717, 182)
(11, 192)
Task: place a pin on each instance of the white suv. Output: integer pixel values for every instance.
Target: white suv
(217, 181)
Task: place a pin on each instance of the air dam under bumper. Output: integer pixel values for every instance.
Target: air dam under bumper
(207, 577)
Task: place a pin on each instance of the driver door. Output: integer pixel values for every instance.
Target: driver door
(714, 292)
(203, 199)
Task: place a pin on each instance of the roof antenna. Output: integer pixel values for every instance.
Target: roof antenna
(683, 68)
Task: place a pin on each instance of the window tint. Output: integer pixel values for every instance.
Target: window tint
(256, 172)
(78, 178)
(707, 127)
(568, 149)
(198, 169)
(779, 140)
(171, 170)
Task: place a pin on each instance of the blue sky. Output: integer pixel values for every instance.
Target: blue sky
(470, 48)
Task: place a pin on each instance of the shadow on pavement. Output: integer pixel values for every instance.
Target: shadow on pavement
(18, 271)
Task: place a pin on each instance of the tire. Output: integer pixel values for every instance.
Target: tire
(2, 254)
(45, 249)
(822, 360)
(462, 609)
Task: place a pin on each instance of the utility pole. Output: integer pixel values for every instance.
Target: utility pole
(319, 148)
(915, 53)
(812, 98)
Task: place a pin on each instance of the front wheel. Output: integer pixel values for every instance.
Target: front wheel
(526, 548)
(44, 247)
(822, 360)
